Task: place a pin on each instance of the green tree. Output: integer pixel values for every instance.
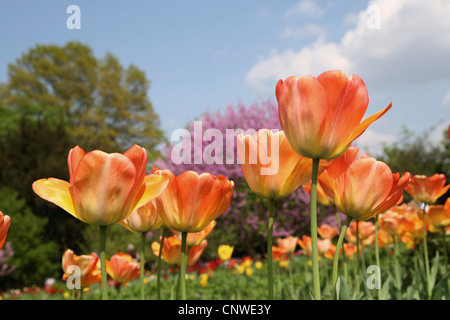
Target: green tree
(35, 257)
(105, 105)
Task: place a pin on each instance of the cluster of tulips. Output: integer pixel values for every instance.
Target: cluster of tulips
(320, 118)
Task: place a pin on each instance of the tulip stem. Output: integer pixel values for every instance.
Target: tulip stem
(183, 265)
(314, 244)
(143, 236)
(158, 268)
(269, 247)
(338, 249)
(377, 253)
(103, 262)
(425, 249)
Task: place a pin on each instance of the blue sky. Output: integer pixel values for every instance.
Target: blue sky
(203, 55)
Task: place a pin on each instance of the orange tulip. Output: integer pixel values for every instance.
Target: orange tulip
(438, 216)
(326, 231)
(89, 267)
(390, 222)
(5, 222)
(349, 248)
(366, 232)
(322, 197)
(122, 268)
(427, 189)
(143, 219)
(171, 252)
(104, 188)
(288, 243)
(191, 200)
(322, 116)
(384, 238)
(271, 167)
(194, 239)
(279, 253)
(323, 245)
(367, 187)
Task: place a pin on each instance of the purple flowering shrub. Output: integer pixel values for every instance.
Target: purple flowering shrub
(244, 225)
(5, 253)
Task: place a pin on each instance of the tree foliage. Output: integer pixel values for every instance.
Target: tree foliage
(105, 105)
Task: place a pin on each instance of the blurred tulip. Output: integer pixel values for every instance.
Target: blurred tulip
(122, 268)
(225, 251)
(305, 242)
(271, 167)
(171, 252)
(288, 243)
(279, 253)
(191, 200)
(143, 219)
(89, 267)
(195, 238)
(366, 232)
(326, 231)
(390, 222)
(427, 189)
(103, 188)
(322, 116)
(5, 222)
(438, 216)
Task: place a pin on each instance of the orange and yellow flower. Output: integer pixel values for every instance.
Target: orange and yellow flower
(271, 167)
(103, 188)
(225, 251)
(195, 238)
(322, 244)
(5, 222)
(288, 243)
(438, 216)
(363, 187)
(322, 116)
(143, 219)
(366, 232)
(191, 200)
(89, 267)
(427, 190)
(326, 231)
(171, 251)
(122, 268)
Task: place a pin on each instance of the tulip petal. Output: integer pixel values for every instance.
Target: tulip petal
(101, 187)
(366, 123)
(154, 184)
(58, 192)
(74, 158)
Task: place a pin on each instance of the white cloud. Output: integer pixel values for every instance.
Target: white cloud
(306, 7)
(411, 47)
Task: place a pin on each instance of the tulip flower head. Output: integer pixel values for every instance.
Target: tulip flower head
(225, 251)
(364, 187)
(427, 190)
(258, 152)
(143, 219)
(122, 268)
(322, 116)
(5, 222)
(171, 252)
(103, 188)
(89, 266)
(438, 217)
(195, 238)
(288, 243)
(191, 200)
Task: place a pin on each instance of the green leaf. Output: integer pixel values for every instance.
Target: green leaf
(384, 295)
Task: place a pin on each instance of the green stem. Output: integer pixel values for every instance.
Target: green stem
(183, 265)
(425, 250)
(396, 263)
(338, 249)
(269, 247)
(377, 253)
(143, 235)
(158, 268)
(103, 262)
(445, 249)
(314, 244)
(337, 217)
